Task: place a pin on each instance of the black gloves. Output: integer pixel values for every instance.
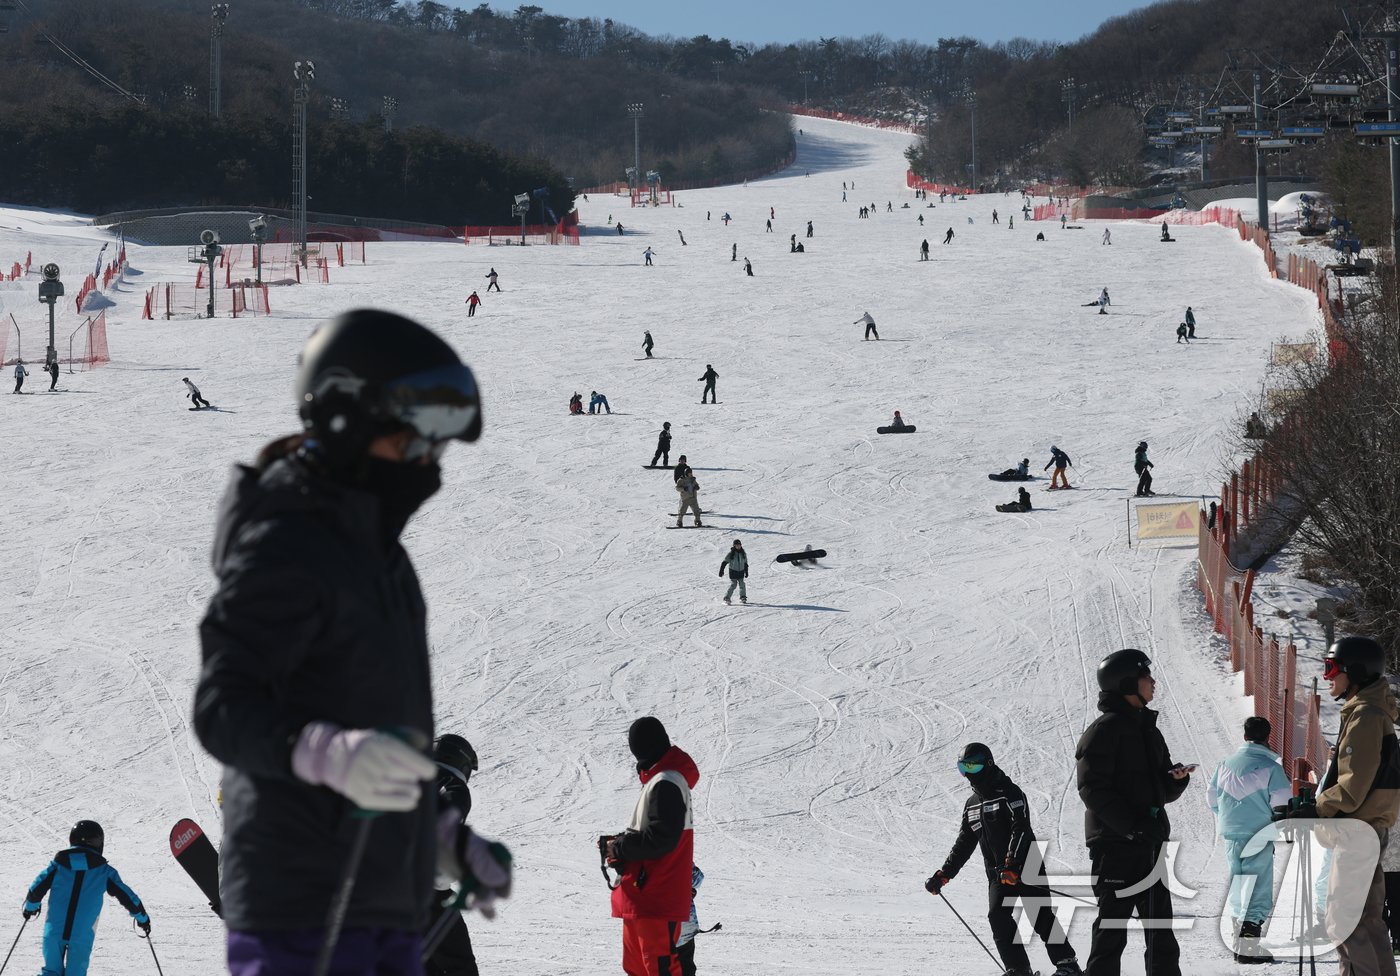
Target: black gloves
(31, 913)
(935, 884)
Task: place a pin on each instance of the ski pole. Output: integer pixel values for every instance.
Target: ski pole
(153, 954)
(440, 928)
(14, 943)
(970, 932)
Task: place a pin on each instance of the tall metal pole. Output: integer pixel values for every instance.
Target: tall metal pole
(1392, 101)
(219, 13)
(305, 73)
(391, 106)
(972, 101)
(635, 110)
(1261, 174)
(1201, 117)
(1067, 87)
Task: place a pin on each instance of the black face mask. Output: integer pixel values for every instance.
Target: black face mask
(401, 489)
(984, 781)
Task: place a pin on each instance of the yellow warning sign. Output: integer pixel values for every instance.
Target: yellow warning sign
(1168, 520)
(1294, 352)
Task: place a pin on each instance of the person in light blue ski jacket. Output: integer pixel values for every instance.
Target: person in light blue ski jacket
(1242, 794)
(75, 881)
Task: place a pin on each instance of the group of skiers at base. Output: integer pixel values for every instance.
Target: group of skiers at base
(21, 372)
(597, 403)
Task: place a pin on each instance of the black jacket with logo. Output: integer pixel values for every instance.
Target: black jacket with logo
(1122, 768)
(996, 819)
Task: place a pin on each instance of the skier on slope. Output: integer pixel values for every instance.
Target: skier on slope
(1190, 323)
(737, 562)
(75, 881)
(809, 228)
(1182, 333)
(1143, 467)
(51, 367)
(997, 819)
(1126, 778)
(647, 254)
(647, 343)
(663, 446)
(948, 237)
(1058, 479)
(315, 645)
(709, 381)
(456, 761)
(682, 469)
(869, 326)
(655, 855)
(20, 374)
(597, 403)
(748, 268)
(687, 487)
(193, 393)
(473, 300)
(491, 276)
(923, 250)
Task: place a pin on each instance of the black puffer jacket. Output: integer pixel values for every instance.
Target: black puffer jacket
(1123, 778)
(995, 818)
(315, 618)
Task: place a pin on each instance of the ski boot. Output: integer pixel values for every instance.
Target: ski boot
(1070, 967)
(728, 602)
(1247, 947)
(744, 600)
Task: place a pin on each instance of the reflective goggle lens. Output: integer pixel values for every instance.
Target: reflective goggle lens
(1330, 668)
(970, 768)
(440, 404)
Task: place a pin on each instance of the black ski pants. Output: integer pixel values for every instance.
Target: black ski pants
(709, 391)
(1392, 903)
(870, 330)
(686, 954)
(664, 453)
(493, 286)
(454, 956)
(198, 400)
(1001, 900)
(19, 382)
(1118, 867)
(1144, 481)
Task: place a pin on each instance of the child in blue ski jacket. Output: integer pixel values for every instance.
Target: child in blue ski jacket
(75, 881)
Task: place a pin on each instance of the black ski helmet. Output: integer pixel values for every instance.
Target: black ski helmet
(367, 372)
(1361, 659)
(1120, 671)
(977, 752)
(455, 754)
(86, 833)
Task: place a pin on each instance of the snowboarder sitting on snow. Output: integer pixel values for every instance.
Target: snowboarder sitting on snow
(996, 818)
(1143, 467)
(598, 403)
(1181, 333)
(1021, 504)
(76, 879)
(1021, 471)
(193, 394)
(687, 486)
(1040, 236)
(898, 422)
(1060, 460)
(738, 562)
(576, 404)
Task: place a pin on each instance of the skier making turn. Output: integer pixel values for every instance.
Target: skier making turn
(1061, 461)
(869, 326)
(997, 820)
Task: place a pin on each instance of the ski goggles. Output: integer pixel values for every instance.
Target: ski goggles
(1330, 668)
(438, 405)
(970, 768)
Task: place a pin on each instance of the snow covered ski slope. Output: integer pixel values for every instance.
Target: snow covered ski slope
(826, 716)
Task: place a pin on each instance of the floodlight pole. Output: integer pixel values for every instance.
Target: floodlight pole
(391, 106)
(1202, 118)
(1392, 101)
(972, 104)
(1261, 172)
(304, 72)
(50, 291)
(635, 110)
(219, 13)
(1067, 87)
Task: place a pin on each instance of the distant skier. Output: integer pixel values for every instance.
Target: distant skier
(619, 234)
(647, 254)
(948, 237)
(792, 244)
(1058, 478)
(648, 344)
(709, 381)
(687, 487)
(1190, 323)
(726, 218)
(1064, 219)
(51, 367)
(682, 469)
(576, 404)
(492, 276)
(923, 250)
(898, 422)
(1183, 333)
(20, 374)
(737, 561)
(772, 214)
(996, 818)
(921, 220)
(193, 394)
(75, 880)
(1107, 237)
(1011, 222)
(995, 218)
(473, 300)
(768, 226)
(1040, 236)
(663, 447)
(597, 403)
(734, 252)
(809, 228)
(682, 237)
(1143, 467)
(748, 267)
(869, 326)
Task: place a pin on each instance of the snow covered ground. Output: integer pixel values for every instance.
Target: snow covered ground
(826, 716)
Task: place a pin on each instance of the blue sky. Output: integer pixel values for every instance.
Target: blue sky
(761, 21)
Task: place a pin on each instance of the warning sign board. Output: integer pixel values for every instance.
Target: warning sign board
(1168, 520)
(1293, 352)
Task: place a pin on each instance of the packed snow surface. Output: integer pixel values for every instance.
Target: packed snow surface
(825, 716)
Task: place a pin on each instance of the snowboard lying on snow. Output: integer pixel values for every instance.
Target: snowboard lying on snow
(1003, 476)
(906, 429)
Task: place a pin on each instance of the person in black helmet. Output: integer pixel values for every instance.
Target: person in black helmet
(996, 819)
(1126, 779)
(456, 761)
(315, 691)
(75, 881)
(1361, 783)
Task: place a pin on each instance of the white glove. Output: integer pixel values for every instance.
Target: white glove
(482, 866)
(374, 770)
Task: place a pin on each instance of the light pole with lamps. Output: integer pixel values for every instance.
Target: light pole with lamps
(634, 109)
(305, 73)
(219, 14)
(1067, 90)
(258, 227)
(50, 291)
(972, 107)
(391, 108)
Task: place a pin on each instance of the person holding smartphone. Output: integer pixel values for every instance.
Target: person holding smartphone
(1126, 779)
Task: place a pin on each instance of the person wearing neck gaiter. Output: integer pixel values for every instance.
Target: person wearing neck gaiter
(315, 691)
(655, 855)
(997, 819)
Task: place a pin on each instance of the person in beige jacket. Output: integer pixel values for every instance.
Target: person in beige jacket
(1362, 783)
(687, 486)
